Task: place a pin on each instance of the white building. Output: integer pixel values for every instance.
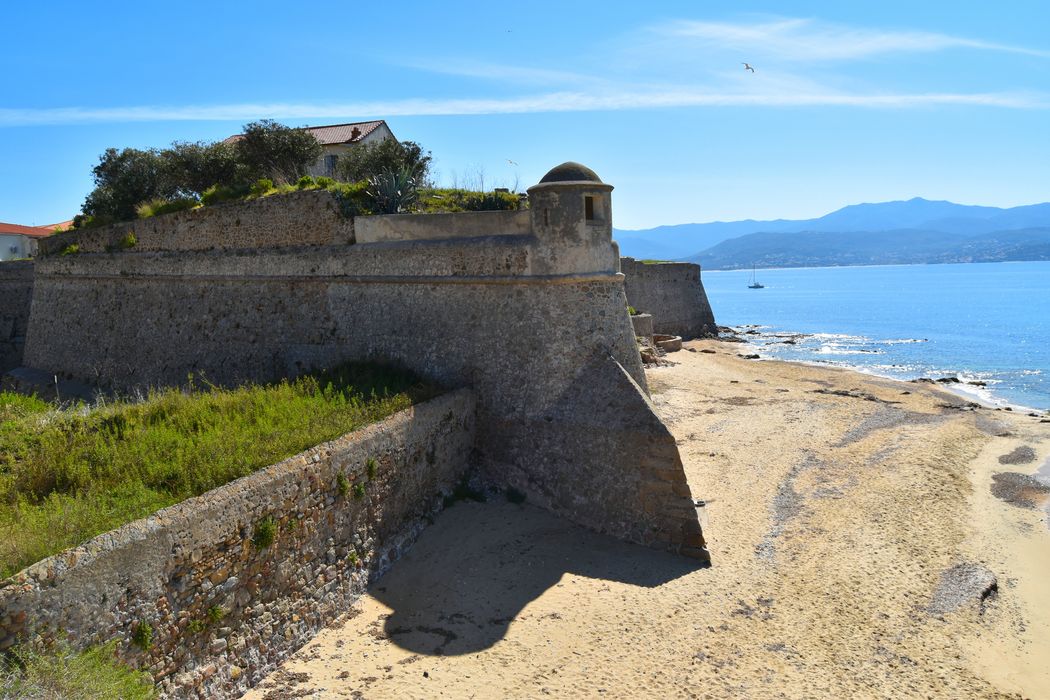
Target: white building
(17, 241)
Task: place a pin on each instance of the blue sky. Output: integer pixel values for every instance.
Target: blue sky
(849, 102)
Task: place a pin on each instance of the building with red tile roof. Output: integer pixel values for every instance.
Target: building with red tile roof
(337, 139)
(18, 241)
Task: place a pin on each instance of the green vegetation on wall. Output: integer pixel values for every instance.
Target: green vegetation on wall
(67, 474)
(60, 672)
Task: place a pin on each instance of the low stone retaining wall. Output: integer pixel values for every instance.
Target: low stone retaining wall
(210, 594)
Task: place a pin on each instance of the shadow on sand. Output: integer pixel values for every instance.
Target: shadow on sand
(480, 564)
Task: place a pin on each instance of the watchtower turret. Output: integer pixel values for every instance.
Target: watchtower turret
(572, 212)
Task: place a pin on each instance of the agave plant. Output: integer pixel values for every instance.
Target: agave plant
(393, 192)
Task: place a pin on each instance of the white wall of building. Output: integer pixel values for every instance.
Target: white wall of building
(14, 246)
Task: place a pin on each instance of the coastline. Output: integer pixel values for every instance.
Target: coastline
(858, 550)
(965, 387)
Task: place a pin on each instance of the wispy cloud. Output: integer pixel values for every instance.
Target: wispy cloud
(521, 75)
(565, 101)
(812, 40)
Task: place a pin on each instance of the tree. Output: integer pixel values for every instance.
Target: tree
(194, 167)
(368, 160)
(271, 150)
(123, 180)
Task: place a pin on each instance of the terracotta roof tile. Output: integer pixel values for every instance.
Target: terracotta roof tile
(32, 231)
(334, 133)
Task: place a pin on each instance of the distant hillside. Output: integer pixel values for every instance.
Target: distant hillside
(931, 217)
(910, 246)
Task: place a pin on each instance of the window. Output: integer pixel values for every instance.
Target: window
(329, 165)
(588, 208)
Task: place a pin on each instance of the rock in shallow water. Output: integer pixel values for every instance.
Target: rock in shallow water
(1022, 455)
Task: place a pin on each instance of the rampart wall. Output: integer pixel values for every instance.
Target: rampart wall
(673, 293)
(223, 610)
(532, 315)
(310, 217)
(16, 294)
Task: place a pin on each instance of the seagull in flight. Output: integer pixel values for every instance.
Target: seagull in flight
(511, 162)
(747, 66)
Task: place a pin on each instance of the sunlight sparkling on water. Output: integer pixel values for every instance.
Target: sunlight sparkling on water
(984, 323)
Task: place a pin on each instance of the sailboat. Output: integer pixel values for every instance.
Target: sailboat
(754, 282)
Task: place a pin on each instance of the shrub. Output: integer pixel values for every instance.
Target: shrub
(142, 637)
(128, 241)
(371, 466)
(631, 310)
(367, 160)
(71, 249)
(60, 672)
(342, 483)
(215, 614)
(433, 201)
(217, 193)
(195, 167)
(353, 199)
(273, 151)
(265, 532)
(260, 187)
(325, 182)
(306, 182)
(159, 206)
(359, 491)
(196, 626)
(123, 180)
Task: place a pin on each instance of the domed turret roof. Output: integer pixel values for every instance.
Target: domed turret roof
(571, 172)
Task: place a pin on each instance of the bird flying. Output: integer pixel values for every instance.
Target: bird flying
(511, 162)
(747, 66)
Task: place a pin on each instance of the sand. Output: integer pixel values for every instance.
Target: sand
(858, 551)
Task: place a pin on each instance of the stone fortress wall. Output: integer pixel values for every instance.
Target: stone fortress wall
(261, 290)
(224, 606)
(673, 293)
(16, 295)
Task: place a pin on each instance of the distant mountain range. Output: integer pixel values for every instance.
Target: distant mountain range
(913, 231)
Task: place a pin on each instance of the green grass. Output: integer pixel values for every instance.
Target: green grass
(69, 474)
(59, 672)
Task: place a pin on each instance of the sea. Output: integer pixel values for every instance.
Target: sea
(985, 324)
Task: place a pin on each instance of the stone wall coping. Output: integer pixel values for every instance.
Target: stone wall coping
(440, 226)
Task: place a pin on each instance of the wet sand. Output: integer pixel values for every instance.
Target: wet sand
(858, 551)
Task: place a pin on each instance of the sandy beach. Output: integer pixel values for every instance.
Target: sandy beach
(862, 546)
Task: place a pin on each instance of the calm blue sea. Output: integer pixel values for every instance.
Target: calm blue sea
(983, 322)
